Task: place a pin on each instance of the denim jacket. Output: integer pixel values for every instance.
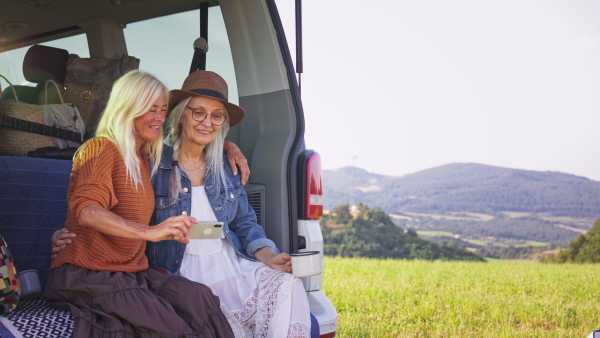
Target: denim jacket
(232, 208)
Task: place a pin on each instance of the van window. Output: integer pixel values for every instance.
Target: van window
(11, 62)
(165, 47)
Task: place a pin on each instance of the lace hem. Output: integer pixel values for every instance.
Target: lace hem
(298, 330)
(236, 326)
(274, 288)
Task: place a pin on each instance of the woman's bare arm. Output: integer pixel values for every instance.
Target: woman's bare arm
(106, 222)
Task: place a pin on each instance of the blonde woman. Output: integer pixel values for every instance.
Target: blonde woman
(103, 277)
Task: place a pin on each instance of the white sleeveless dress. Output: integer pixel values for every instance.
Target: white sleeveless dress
(257, 300)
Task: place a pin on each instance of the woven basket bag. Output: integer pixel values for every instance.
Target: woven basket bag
(16, 142)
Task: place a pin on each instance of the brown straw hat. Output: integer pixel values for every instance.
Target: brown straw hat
(208, 84)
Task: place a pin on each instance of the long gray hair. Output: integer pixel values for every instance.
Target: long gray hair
(213, 152)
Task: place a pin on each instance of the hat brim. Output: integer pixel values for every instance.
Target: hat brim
(235, 113)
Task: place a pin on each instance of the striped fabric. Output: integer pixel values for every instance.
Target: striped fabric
(9, 283)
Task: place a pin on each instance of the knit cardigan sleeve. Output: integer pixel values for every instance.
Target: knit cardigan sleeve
(94, 168)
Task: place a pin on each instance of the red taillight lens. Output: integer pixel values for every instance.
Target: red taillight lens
(314, 188)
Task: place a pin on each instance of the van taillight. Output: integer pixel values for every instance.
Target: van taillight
(313, 191)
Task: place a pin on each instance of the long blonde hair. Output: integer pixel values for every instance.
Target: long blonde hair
(213, 152)
(132, 96)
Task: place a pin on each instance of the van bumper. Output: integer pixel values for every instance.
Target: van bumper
(322, 308)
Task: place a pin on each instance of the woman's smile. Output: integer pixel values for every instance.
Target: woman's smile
(201, 132)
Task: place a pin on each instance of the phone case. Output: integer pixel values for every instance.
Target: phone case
(206, 230)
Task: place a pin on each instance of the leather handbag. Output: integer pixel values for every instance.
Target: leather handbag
(89, 82)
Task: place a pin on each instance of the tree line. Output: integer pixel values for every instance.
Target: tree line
(497, 251)
(523, 228)
(584, 249)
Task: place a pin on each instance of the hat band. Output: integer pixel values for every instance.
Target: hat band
(209, 92)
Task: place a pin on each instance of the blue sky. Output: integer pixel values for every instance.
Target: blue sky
(409, 85)
(399, 86)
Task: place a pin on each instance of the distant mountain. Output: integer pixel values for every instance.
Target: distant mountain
(475, 200)
(466, 187)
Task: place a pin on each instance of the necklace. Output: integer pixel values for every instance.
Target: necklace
(186, 169)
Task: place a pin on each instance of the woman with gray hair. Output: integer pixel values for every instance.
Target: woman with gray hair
(258, 294)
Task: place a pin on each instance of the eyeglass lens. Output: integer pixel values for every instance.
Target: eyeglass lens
(215, 118)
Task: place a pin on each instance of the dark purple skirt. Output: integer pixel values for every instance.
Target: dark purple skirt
(150, 303)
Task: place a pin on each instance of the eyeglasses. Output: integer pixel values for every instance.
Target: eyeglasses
(200, 115)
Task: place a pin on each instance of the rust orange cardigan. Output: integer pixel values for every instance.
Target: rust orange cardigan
(99, 177)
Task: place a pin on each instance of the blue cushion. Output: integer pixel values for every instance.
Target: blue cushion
(33, 205)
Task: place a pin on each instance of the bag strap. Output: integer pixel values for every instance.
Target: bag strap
(37, 128)
(11, 87)
(57, 90)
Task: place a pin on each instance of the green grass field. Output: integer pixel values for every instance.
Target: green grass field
(395, 298)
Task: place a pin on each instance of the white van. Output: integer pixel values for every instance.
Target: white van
(246, 45)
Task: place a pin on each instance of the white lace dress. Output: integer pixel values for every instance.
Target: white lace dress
(257, 300)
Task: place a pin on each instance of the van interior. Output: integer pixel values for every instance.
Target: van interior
(241, 40)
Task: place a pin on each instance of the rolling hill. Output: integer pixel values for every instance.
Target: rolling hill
(475, 200)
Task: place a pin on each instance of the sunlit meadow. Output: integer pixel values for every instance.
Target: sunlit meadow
(396, 298)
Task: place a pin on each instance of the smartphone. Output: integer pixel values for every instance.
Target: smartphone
(205, 230)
